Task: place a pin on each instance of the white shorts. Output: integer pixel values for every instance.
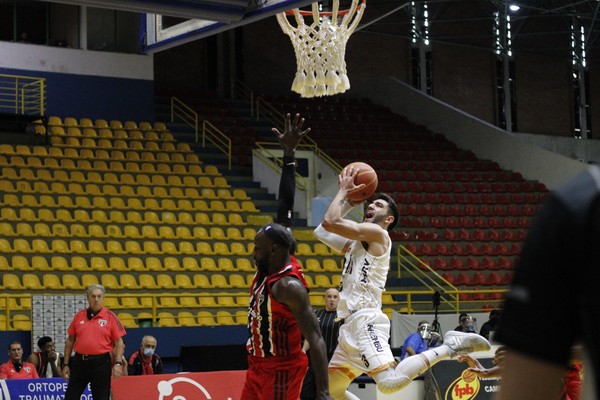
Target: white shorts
(363, 344)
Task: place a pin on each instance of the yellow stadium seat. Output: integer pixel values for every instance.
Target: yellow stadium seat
(20, 263)
(205, 318)
(303, 249)
(59, 263)
(206, 300)
(322, 281)
(88, 280)
(190, 264)
(41, 229)
(200, 218)
(99, 264)
(150, 247)
(79, 264)
(112, 303)
(244, 265)
(168, 302)
(225, 264)
(133, 247)
(164, 281)
(136, 264)
(147, 281)
(241, 317)
(130, 302)
(114, 247)
(40, 246)
(96, 247)
(221, 248)
(78, 247)
(154, 264)
(225, 318)
(249, 234)
(203, 248)
(234, 234)
(166, 319)
(226, 301)
(40, 263)
(201, 281)
(219, 281)
(117, 264)
(331, 265)
(128, 281)
(238, 249)
(5, 246)
(21, 322)
(167, 247)
(109, 281)
(127, 320)
(312, 265)
(4, 266)
(208, 264)
(237, 281)
(188, 301)
(59, 246)
(52, 282)
(336, 280)
(200, 232)
(186, 318)
(183, 282)
(31, 282)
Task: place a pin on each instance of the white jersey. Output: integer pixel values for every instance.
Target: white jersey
(363, 278)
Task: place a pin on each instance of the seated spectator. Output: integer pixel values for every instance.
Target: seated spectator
(47, 361)
(489, 328)
(145, 361)
(15, 367)
(418, 341)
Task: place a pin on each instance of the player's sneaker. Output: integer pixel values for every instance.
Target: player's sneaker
(462, 343)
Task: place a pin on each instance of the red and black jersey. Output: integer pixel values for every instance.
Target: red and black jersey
(272, 327)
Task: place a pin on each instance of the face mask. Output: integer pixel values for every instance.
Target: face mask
(148, 352)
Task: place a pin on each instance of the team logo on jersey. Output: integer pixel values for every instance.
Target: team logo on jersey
(103, 322)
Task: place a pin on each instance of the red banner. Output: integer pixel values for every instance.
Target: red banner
(222, 385)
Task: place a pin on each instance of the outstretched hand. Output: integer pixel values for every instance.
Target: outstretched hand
(346, 183)
(292, 134)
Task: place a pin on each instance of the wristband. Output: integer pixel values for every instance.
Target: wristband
(118, 363)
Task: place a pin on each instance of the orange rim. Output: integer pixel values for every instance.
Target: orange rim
(306, 13)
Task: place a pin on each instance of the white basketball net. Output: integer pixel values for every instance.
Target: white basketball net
(320, 49)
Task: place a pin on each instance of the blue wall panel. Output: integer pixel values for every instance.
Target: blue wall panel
(95, 96)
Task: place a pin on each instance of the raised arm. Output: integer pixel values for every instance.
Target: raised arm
(289, 140)
(334, 220)
(292, 293)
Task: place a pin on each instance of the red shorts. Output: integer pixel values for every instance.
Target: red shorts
(275, 378)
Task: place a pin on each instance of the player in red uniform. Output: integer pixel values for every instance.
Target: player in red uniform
(279, 315)
(94, 334)
(15, 367)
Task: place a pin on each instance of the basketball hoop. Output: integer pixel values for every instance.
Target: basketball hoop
(321, 47)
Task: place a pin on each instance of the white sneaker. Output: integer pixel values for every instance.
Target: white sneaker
(463, 343)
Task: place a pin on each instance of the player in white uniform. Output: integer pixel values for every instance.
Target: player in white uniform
(363, 342)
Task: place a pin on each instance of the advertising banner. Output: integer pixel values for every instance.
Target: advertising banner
(221, 385)
(36, 389)
(454, 381)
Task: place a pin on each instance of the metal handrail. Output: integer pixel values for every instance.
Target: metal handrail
(276, 163)
(185, 113)
(218, 138)
(23, 94)
(270, 113)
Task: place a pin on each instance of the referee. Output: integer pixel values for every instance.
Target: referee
(93, 334)
(330, 328)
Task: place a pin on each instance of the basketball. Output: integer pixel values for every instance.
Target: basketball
(366, 175)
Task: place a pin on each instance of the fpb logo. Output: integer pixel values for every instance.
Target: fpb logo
(465, 387)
